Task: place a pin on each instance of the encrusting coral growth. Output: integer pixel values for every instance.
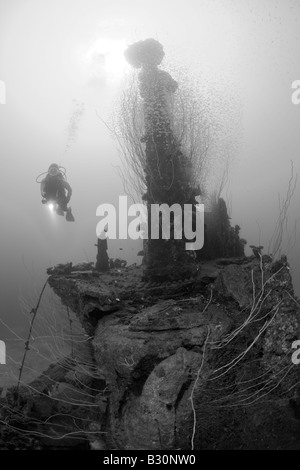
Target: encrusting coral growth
(167, 170)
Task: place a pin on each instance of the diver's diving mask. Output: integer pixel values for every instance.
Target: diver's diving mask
(53, 171)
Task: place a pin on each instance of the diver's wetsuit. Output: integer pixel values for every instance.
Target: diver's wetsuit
(55, 187)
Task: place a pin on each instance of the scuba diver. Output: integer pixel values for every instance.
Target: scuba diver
(56, 190)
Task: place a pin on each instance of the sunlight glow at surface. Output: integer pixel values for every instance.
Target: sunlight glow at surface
(105, 59)
(51, 207)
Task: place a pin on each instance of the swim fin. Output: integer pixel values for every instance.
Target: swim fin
(60, 212)
(69, 215)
